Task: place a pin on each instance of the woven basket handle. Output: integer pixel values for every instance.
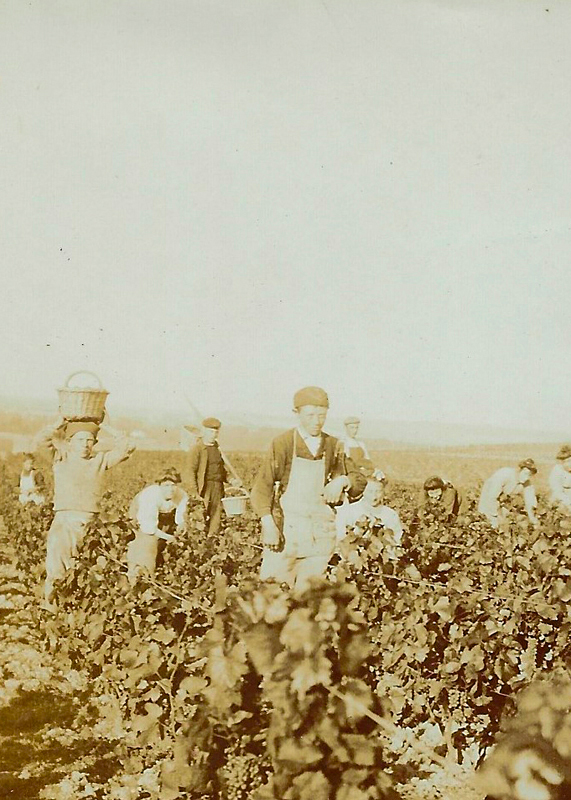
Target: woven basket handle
(84, 372)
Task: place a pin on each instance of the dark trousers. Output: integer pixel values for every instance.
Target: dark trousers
(213, 493)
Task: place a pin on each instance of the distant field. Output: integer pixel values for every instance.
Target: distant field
(466, 466)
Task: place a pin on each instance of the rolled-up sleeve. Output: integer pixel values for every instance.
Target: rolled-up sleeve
(121, 450)
(180, 512)
(51, 439)
(147, 514)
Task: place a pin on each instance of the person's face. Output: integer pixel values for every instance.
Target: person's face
(434, 494)
(567, 464)
(312, 419)
(524, 475)
(167, 490)
(28, 464)
(374, 493)
(352, 429)
(81, 443)
(209, 435)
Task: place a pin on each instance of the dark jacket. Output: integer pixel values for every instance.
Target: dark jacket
(446, 508)
(198, 462)
(277, 467)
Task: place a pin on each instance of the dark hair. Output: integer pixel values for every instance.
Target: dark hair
(528, 463)
(169, 475)
(434, 483)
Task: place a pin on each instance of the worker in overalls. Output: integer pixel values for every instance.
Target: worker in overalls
(159, 512)
(305, 474)
(354, 448)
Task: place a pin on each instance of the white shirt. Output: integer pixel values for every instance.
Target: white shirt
(313, 442)
(349, 514)
(560, 485)
(148, 504)
(503, 483)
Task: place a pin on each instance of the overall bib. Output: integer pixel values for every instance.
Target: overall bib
(309, 527)
(356, 454)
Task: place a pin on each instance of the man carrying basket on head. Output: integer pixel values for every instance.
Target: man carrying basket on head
(78, 485)
(305, 473)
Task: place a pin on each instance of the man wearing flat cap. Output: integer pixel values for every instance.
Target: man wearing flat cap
(560, 480)
(355, 449)
(305, 474)
(504, 484)
(78, 486)
(208, 473)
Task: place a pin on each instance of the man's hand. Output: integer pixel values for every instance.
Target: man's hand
(334, 489)
(271, 536)
(168, 537)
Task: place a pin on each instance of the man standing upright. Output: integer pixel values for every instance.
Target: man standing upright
(304, 474)
(208, 473)
(355, 449)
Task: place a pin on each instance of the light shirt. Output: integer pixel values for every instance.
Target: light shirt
(78, 482)
(313, 442)
(349, 514)
(503, 483)
(560, 485)
(29, 492)
(149, 503)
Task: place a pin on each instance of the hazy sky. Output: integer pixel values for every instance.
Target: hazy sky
(235, 199)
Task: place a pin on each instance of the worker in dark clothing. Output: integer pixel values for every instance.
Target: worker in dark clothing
(208, 474)
(439, 500)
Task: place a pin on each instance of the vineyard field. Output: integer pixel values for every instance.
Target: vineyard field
(393, 675)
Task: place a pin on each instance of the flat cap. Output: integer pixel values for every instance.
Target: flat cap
(564, 452)
(211, 422)
(75, 427)
(528, 463)
(311, 396)
(351, 421)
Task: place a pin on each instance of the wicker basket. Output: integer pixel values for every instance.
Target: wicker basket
(84, 403)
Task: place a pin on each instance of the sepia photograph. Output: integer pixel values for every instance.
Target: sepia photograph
(285, 418)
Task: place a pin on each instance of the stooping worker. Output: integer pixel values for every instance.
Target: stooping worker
(370, 507)
(504, 484)
(439, 499)
(354, 448)
(303, 475)
(78, 486)
(32, 484)
(208, 474)
(560, 479)
(159, 511)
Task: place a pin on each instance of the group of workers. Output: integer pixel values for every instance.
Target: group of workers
(310, 490)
